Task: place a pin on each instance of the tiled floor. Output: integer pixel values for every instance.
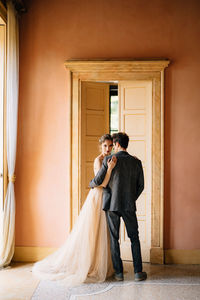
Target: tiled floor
(17, 282)
(165, 282)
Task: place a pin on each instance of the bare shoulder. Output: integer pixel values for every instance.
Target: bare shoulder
(97, 161)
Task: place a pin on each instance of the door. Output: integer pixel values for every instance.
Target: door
(135, 105)
(135, 118)
(94, 123)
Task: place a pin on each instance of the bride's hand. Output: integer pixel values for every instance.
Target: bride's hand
(112, 162)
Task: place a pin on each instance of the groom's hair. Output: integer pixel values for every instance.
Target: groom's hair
(122, 138)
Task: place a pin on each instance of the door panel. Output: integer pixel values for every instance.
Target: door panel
(138, 148)
(134, 97)
(134, 124)
(135, 115)
(94, 123)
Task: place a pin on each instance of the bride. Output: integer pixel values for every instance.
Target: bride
(85, 255)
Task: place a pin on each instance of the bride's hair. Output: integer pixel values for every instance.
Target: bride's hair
(105, 137)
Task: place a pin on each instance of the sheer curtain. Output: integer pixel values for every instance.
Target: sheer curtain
(8, 214)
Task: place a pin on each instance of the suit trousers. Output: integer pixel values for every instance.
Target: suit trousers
(130, 220)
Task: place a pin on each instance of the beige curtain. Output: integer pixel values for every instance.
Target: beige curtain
(7, 226)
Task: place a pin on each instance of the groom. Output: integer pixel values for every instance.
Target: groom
(125, 186)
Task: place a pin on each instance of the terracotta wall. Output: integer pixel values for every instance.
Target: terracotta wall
(53, 31)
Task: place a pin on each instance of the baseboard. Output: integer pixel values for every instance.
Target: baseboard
(188, 257)
(31, 254)
(157, 256)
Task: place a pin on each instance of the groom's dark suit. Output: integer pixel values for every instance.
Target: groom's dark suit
(125, 185)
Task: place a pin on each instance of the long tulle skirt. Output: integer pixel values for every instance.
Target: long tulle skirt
(85, 256)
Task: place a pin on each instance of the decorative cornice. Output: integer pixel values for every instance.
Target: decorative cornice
(116, 65)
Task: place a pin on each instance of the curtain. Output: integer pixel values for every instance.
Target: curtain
(7, 230)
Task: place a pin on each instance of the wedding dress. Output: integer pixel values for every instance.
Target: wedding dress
(85, 256)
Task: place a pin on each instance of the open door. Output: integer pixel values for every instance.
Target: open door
(94, 123)
(135, 110)
(135, 118)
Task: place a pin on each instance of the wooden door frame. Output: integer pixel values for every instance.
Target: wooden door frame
(110, 70)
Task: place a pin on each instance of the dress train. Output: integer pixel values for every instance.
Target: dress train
(85, 256)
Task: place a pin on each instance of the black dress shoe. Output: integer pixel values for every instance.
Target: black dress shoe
(140, 276)
(119, 277)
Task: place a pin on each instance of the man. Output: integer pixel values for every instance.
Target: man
(125, 186)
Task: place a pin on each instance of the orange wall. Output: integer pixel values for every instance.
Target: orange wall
(53, 31)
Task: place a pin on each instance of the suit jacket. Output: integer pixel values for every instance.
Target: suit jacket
(125, 185)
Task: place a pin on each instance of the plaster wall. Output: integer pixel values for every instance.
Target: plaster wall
(54, 31)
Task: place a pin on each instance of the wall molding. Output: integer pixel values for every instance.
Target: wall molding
(157, 255)
(174, 256)
(121, 70)
(31, 254)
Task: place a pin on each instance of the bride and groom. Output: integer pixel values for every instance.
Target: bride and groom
(92, 251)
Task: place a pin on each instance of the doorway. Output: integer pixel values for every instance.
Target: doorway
(126, 73)
(107, 108)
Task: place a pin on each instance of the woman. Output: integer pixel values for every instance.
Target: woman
(86, 252)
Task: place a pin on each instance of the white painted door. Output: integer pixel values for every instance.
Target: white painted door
(135, 118)
(94, 123)
(2, 73)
